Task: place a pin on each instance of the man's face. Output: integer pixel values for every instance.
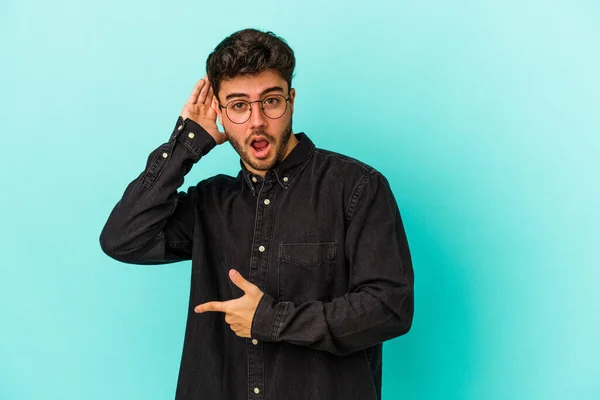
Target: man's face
(261, 142)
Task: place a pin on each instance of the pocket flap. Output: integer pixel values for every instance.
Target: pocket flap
(307, 254)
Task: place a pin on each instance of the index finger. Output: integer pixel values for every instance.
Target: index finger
(211, 306)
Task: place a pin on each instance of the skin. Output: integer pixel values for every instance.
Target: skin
(203, 108)
(238, 312)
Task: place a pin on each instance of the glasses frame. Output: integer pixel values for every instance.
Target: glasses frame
(262, 107)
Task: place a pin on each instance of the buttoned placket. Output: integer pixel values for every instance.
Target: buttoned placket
(259, 261)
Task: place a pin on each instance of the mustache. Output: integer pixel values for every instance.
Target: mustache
(261, 133)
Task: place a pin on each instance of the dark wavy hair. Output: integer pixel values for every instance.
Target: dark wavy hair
(249, 52)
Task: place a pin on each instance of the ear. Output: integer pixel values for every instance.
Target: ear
(292, 97)
(215, 106)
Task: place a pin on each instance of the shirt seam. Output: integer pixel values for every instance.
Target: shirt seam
(279, 321)
(358, 190)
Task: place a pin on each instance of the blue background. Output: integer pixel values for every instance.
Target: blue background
(484, 116)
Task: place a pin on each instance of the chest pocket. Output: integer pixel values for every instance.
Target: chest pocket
(305, 271)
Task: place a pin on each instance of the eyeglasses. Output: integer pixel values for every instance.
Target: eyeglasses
(239, 111)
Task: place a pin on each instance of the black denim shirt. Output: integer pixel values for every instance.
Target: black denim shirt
(320, 235)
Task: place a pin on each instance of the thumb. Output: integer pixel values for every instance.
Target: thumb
(240, 281)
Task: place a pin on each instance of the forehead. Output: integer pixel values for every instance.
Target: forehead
(251, 85)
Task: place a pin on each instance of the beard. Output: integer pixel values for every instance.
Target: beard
(279, 147)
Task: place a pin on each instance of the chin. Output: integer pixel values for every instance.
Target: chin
(262, 165)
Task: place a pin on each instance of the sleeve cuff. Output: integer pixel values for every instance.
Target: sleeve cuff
(268, 315)
(193, 136)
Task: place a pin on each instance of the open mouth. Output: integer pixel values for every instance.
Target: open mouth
(260, 147)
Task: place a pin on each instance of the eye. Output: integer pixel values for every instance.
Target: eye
(271, 101)
(239, 106)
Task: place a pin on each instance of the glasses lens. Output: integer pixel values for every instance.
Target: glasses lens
(274, 106)
(238, 111)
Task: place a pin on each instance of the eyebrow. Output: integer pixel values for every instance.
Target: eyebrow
(271, 89)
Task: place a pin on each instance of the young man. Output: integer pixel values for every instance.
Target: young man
(300, 264)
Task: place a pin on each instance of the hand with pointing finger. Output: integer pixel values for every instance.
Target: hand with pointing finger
(200, 108)
(238, 312)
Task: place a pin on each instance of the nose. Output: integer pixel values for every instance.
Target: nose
(257, 118)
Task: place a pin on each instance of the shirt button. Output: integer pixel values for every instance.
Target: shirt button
(165, 155)
(261, 249)
(191, 135)
(254, 342)
(254, 179)
(180, 127)
(256, 390)
(285, 179)
(267, 202)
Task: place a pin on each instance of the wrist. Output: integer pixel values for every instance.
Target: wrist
(193, 136)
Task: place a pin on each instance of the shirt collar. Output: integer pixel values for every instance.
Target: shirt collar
(287, 171)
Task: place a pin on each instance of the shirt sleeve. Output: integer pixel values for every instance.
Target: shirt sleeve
(379, 302)
(153, 222)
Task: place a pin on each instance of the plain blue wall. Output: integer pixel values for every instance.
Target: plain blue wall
(484, 116)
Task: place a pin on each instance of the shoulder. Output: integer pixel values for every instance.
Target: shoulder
(219, 180)
(338, 160)
(354, 179)
(345, 167)
(216, 186)
(365, 187)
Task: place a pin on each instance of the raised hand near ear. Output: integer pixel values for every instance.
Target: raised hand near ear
(200, 109)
